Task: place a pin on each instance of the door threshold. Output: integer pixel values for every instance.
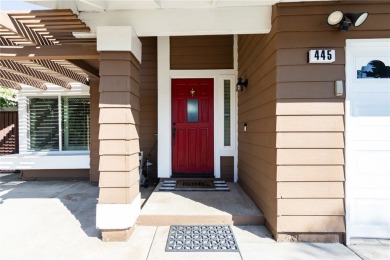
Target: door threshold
(193, 175)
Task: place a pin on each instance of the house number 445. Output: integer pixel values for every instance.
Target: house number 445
(322, 56)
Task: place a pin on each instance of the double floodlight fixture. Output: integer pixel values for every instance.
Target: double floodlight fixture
(344, 21)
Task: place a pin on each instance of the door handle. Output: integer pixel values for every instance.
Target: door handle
(173, 131)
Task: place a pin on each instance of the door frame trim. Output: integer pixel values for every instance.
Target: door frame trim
(164, 90)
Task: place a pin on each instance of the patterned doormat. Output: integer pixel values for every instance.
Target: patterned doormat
(194, 185)
(216, 238)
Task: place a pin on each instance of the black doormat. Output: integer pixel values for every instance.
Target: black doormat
(216, 238)
(194, 185)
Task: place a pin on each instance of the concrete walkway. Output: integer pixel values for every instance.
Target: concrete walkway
(56, 220)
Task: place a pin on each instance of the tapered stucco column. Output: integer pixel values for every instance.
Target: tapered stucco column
(119, 197)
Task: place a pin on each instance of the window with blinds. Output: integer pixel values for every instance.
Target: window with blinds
(75, 123)
(55, 127)
(44, 124)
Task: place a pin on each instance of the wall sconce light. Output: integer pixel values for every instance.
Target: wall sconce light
(241, 84)
(337, 18)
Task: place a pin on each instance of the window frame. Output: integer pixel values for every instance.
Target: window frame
(60, 136)
(233, 111)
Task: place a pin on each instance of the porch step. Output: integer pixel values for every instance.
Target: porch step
(165, 208)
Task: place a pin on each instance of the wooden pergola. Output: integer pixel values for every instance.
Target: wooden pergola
(38, 47)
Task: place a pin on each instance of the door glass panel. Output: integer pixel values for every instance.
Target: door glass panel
(226, 112)
(192, 110)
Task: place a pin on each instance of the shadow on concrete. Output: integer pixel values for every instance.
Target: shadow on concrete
(79, 197)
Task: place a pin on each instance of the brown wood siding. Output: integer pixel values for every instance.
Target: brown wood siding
(310, 124)
(94, 131)
(310, 118)
(227, 168)
(9, 138)
(148, 101)
(291, 159)
(119, 110)
(201, 52)
(256, 108)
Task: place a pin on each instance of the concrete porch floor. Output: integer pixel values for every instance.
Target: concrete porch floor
(56, 220)
(164, 208)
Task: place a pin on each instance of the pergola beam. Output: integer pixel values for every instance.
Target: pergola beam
(29, 17)
(21, 79)
(88, 69)
(10, 84)
(43, 13)
(50, 52)
(34, 73)
(62, 70)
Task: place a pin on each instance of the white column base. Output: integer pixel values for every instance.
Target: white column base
(118, 216)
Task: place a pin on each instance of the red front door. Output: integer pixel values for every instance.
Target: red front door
(192, 126)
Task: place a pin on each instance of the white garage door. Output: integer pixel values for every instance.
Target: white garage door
(368, 138)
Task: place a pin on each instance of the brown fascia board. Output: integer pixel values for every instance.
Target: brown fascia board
(88, 69)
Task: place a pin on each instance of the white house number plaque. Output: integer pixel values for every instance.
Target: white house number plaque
(322, 56)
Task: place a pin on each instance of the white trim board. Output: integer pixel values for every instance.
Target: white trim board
(45, 161)
(190, 21)
(118, 38)
(118, 216)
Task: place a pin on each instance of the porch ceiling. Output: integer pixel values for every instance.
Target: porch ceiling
(37, 48)
(112, 5)
(173, 17)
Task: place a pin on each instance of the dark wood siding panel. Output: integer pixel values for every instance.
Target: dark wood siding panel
(9, 132)
(312, 90)
(309, 115)
(94, 131)
(227, 168)
(298, 9)
(201, 52)
(253, 138)
(54, 174)
(148, 101)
